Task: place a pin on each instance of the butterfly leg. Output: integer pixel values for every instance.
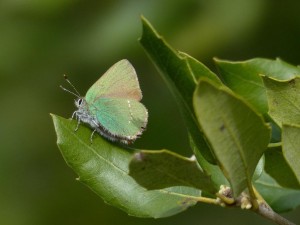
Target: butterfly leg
(78, 119)
(92, 136)
(74, 114)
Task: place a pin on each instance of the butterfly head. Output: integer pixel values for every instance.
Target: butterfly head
(80, 102)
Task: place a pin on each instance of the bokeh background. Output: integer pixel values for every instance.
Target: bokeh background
(41, 40)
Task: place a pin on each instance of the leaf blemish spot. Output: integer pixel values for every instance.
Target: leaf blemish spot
(139, 156)
(193, 158)
(185, 202)
(222, 127)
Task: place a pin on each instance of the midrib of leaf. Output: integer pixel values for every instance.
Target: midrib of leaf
(177, 194)
(250, 81)
(189, 68)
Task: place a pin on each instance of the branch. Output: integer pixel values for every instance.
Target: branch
(244, 201)
(266, 211)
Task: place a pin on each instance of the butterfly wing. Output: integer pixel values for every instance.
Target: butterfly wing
(120, 81)
(123, 118)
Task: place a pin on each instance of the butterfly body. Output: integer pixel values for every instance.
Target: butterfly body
(111, 106)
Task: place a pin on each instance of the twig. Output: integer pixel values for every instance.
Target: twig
(207, 200)
(265, 211)
(254, 202)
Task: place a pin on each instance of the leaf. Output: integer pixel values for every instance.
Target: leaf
(236, 132)
(104, 168)
(161, 169)
(291, 147)
(284, 100)
(279, 198)
(244, 78)
(277, 167)
(181, 73)
(259, 168)
(196, 70)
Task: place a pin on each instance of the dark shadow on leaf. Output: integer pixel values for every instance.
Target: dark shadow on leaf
(162, 169)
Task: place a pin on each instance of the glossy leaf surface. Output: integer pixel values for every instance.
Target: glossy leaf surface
(161, 169)
(104, 168)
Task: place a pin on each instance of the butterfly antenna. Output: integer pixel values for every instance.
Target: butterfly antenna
(69, 82)
(64, 89)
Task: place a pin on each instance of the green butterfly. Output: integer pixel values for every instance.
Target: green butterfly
(112, 105)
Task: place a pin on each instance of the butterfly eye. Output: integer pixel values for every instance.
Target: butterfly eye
(79, 101)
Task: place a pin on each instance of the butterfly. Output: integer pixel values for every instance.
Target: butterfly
(112, 105)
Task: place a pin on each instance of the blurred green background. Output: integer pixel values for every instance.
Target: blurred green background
(41, 40)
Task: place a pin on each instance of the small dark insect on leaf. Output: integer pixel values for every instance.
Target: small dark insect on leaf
(222, 128)
(186, 201)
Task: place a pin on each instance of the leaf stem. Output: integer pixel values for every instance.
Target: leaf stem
(253, 194)
(225, 199)
(207, 200)
(273, 145)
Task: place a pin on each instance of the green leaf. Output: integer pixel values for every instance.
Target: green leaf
(291, 147)
(279, 198)
(284, 100)
(195, 70)
(104, 168)
(259, 168)
(181, 73)
(244, 78)
(236, 132)
(161, 169)
(277, 167)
